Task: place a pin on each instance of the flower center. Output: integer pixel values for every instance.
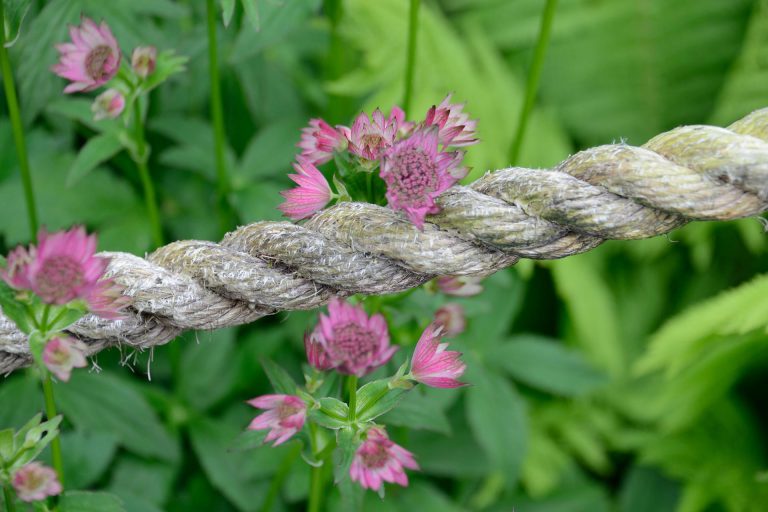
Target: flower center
(415, 174)
(372, 141)
(354, 344)
(286, 410)
(376, 456)
(95, 60)
(58, 278)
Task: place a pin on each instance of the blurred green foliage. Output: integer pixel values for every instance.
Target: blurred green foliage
(628, 379)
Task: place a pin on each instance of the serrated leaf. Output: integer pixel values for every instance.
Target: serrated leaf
(96, 151)
(376, 398)
(280, 379)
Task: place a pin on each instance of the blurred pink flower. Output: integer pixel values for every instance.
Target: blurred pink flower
(378, 460)
(432, 364)
(62, 268)
(144, 60)
(459, 286)
(320, 140)
(311, 195)
(451, 318)
(108, 105)
(284, 417)
(91, 59)
(62, 354)
(35, 482)
(455, 127)
(368, 138)
(416, 173)
(355, 343)
(316, 354)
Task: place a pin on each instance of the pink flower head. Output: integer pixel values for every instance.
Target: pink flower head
(144, 60)
(416, 173)
(459, 286)
(91, 59)
(451, 318)
(316, 354)
(368, 138)
(311, 195)
(284, 417)
(108, 105)
(62, 354)
(62, 268)
(378, 460)
(455, 127)
(432, 364)
(356, 343)
(320, 140)
(35, 482)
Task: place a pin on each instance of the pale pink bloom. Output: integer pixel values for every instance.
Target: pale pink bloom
(62, 354)
(368, 138)
(91, 59)
(320, 140)
(416, 173)
(144, 60)
(108, 105)
(455, 127)
(35, 482)
(432, 364)
(311, 195)
(451, 318)
(459, 286)
(62, 268)
(284, 417)
(356, 343)
(316, 354)
(378, 460)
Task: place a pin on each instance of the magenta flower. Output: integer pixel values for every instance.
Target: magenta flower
(416, 173)
(284, 417)
(432, 364)
(144, 60)
(35, 482)
(451, 318)
(62, 268)
(61, 354)
(311, 195)
(378, 460)
(355, 343)
(368, 138)
(459, 286)
(320, 140)
(91, 59)
(454, 126)
(108, 105)
(316, 354)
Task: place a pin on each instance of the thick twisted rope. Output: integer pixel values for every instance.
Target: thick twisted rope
(614, 192)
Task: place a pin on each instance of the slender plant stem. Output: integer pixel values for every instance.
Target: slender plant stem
(335, 60)
(18, 129)
(410, 57)
(279, 478)
(316, 475)
(352, 390)
(532, 85)
(8, 496)
(50, 412)
(146, 181)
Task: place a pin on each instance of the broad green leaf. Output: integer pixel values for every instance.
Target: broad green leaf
(79, 109)
(207, 353)
(227, 10)
(151, 480)
(332, 413)
(455, 456)
(270, 152)
(82, 501)
(343, 455)
(13, 308)
(427, 498)
(419, 411)
(7, 449)
(646, 489)
(280, 379)
(251, 8)
(96, 151)
(376, 398)
(87, 456)
(15, 12)
(249, 440)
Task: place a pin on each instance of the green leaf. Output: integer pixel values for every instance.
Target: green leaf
(168, 64)
(646, 489)
(82, 501)
(87, 456)
(96, 151)
(77, 109)
(151, 480)
(546, 364)
(251, 8)
(212, 354)
(281, 381)
(15, 12)
(332, 413)
(227, 10)
(249, 440)
(343, 455)
(33, 438)
(375, 399)
(13, 308)
(419, 411)
(7, 449)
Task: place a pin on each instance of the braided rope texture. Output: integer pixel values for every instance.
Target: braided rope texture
(616, 191)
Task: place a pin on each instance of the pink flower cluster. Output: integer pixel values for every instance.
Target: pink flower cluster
(378, 460)
(35, 482)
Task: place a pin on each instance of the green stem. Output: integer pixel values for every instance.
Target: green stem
(335, 59)
(8, 496)
(316, 475)
(410, 57)
(352, 390)
(534, 75)
(18, 128)
(50, 412)
(279, 478)
(146, 181)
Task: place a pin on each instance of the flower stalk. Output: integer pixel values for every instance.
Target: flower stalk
(352, 389)
(8, 498)
(141, 157)
(410, 57)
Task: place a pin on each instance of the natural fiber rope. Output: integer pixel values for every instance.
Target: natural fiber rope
(615, 192)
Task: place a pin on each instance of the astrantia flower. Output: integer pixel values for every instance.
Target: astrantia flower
(91, 59)
(108, 105)
(459, 286)
(316, 354)
(62, 354)
(416, 173)
(320, 140)
(284, 417)
(451, 318)
(368, 138)
(62, 268)
(35, 482)
(432, 364)
(455, 127)
(311, 195)
(378, 460)
(356, 343)
(144, 60)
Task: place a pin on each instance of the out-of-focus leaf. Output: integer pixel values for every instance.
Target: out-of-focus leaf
(544, 463)
(270, 152)
(82, 501)
(457, 455)
(418, 411)
(23, 391)
(332, 413)
(351, 493)
(281, 380)
(207, 353)
(573, 499)
(79, 109)
(227, 10)
(427, 498)
(87, 455)
(15, 12)
(152, 481)
(251, 9)
(646, 489)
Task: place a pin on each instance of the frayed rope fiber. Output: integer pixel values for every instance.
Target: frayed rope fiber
(616, 192)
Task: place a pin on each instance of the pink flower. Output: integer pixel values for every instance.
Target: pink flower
(284, 417)
(320, 140)
(459, 286)
(369, 138)
(144, 60)
(62, 354)
(455, 127)
(451, 318)
(316, 354)
(108, 105)
(355, 343)
(311, 195)
(91, 59)
(378, 460)
(62, 268)
(35, 482)
(432, 364)
(416, 173)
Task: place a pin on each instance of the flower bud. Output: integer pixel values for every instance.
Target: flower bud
(451, 318)
(108, 105)
(144, 60)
